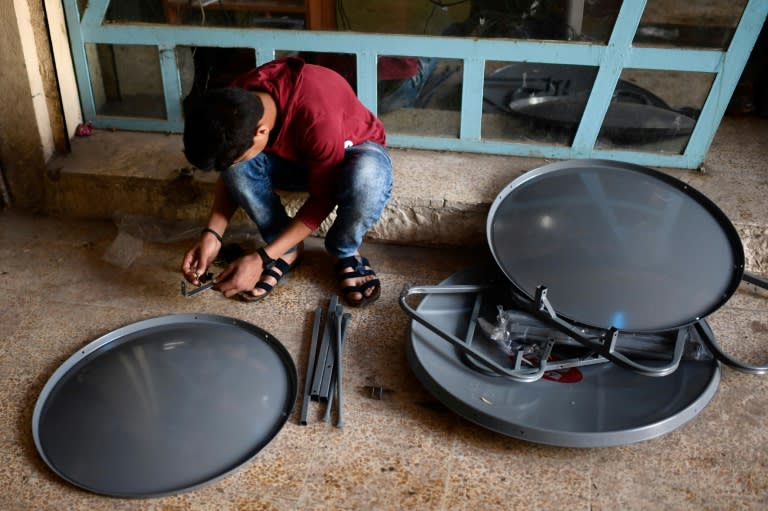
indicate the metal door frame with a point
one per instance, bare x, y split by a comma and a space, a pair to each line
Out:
610, 59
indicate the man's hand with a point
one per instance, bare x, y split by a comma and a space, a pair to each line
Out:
241, 275
199, 258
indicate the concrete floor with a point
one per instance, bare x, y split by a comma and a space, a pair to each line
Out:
405, 451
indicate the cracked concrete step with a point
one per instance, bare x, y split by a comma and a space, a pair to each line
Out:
439, 198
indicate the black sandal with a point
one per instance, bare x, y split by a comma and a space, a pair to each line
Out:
281, 265
360, 268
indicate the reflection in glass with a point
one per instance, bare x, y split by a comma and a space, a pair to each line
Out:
517, 19
544, 103
541, 19
141, 11
218, 67
236, 13
695, 23
402, 82
426, 100
431, 17
530, 102
654, 110
522, 101
271, 14
126, 80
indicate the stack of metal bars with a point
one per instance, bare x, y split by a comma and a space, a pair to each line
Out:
325, 368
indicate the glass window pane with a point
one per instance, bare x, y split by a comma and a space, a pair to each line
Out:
217, 67
126, 80
517, 19
534, 103
400, 16
287, 14
236, 13
591, 20
695, 23
402, 81
428, 103
654, 111
202, 67
142, 11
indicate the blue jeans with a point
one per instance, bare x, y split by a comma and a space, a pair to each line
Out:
363, 188
407, 92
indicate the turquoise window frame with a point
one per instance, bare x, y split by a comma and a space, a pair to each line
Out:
610, 59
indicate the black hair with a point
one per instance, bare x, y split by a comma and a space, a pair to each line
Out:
219, 125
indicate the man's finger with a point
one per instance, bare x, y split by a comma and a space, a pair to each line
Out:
223, 275
190, 276
230, 293
228, 288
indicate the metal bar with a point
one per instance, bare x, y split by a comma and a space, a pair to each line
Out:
449, 144
708, 336
546, 312
171, 84
472, 99
328, 408
522, 376
339, 367
586, 54
310, 366
264, 55
320, 366
470, 336
335, 385
324, 365
672, 59
608, 73
138, 124
539, 150
80, 59
367, 62
95, 11
208, 284
326, 382
335, 378
754, 279
196, 290
605, 351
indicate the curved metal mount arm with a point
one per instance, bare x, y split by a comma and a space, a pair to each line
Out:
706, 334
607, 348
754, 279
519, 373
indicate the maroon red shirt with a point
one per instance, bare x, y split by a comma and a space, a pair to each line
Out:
318, 116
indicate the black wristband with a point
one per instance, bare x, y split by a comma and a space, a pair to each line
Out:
218, 236
267, 261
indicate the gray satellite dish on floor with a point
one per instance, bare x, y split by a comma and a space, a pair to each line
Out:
614, 267
164, 405
616, 245
598, 405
